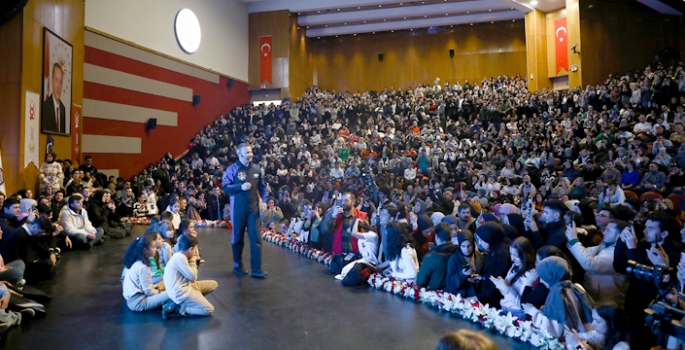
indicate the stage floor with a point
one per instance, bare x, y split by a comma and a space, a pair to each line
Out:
298, 306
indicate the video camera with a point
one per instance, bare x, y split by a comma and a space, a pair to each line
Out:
662, 318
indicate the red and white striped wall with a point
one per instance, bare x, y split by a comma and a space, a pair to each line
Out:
124, 86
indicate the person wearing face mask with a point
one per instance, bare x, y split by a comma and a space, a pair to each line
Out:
654, 249
490, 240
602, 282
567, 305
464, 267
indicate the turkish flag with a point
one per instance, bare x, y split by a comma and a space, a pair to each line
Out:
265, 59
561, 40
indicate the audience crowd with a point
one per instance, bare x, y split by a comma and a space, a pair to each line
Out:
535, 203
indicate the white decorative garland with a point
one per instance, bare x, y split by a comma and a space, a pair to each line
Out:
198, 223
474, 311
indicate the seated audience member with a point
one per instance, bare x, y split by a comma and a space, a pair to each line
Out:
357, 272
12, 272
40, 261
611, 196
272, 214
125, 203
654, 249
100, 208
465, 339
522, 274
138, 289
464, 266
174, 209
187, 294
76, 224
9, 223
490, 240
141, 208
58, 240
401, 263
601, 282
610, 330
56, 204
567, 305
215, 204
10, 318
433, 270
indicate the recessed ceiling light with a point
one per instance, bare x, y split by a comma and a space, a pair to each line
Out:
318, 11
318, 37
326, 25
467, 12
374, 33
364, 21
359, 8
299, 13
338, 9
307, 27
384, 19
405, 17
471, 23
345, 23
447, 14
355, 34
425, 16
452, 26
392, 31
336, 36
403, 4
513, 20
412, 29
490, 10
533, 2
492, 22
380, 5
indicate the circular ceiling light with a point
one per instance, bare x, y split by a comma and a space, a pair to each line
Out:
187, 28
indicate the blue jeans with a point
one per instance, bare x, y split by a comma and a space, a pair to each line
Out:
85, 243
14, 275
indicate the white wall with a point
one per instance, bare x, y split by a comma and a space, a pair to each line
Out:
150, 23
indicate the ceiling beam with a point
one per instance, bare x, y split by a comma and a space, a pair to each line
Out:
309, 5
398, 13
413, 24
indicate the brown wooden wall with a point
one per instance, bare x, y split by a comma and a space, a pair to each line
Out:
619, 36
483, 50
276, 24
10, 108
301, 61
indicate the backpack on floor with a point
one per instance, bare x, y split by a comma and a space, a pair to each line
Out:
116, 232
18, 303
31, 293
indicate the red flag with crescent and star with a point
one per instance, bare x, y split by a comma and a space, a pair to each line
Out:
265, 59
560, 38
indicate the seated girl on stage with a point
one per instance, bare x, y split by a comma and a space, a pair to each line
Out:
138, 290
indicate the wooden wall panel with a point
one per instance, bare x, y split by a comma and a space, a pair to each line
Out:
10, 108
628, 39
66, 18
483, 50
301, 62
276, 24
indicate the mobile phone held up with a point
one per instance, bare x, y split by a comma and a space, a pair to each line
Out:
338, 200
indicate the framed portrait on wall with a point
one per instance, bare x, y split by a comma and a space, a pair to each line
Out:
58, 63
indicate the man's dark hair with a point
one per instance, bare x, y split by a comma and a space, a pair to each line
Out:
43, 208
463, 207
392, 209
89, 157
186, 242
620, 224
43, 224
444, 232
9, 202
665, 221
612, 212
385, 190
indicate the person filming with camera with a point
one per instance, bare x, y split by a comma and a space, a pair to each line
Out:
653, 250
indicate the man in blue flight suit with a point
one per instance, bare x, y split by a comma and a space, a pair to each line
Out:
244, 181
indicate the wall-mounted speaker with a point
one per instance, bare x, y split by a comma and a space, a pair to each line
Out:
451, 52
380, 57
196, 100
230, 82
151, 124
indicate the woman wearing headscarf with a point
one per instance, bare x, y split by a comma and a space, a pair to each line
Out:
567, 304
516, 220
464, 266
490, 239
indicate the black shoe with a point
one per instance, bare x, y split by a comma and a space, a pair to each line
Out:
27, 313
258, 274
170, 309
239, 271
4, 327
